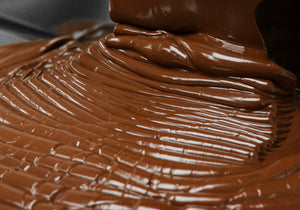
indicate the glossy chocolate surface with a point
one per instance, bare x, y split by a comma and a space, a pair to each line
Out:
186, 16
149, 118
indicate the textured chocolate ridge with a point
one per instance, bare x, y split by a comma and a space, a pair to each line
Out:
112, 125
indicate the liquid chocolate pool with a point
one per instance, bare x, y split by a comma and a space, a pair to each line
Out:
163, 113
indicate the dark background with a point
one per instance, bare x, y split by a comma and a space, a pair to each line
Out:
279, 23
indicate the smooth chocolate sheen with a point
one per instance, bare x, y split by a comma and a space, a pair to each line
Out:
155, 115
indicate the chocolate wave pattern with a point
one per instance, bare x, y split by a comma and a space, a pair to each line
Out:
103, 126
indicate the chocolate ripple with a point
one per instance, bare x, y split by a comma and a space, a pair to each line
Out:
137, 120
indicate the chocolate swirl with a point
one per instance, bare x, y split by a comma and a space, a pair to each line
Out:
147, 119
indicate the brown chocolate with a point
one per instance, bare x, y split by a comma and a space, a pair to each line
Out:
150, 118
231, 20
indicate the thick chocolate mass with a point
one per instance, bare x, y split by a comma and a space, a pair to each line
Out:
215, 17
149, 119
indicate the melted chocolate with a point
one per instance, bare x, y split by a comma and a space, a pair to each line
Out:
150, 119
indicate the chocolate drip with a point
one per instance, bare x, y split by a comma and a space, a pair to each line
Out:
149, 118
228, 20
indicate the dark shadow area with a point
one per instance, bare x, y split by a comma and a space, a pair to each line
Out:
279, 23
